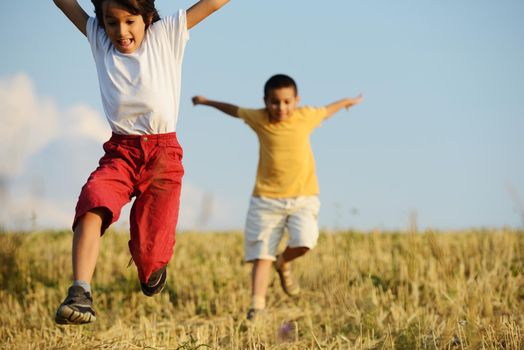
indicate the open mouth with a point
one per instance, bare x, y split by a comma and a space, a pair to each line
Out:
125, 44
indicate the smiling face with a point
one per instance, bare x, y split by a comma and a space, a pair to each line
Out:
280, 103
125, 29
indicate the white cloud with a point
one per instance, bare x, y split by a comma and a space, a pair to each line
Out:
83, 121
31, 125
28, 123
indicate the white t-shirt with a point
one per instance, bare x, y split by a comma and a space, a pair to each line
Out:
141, 91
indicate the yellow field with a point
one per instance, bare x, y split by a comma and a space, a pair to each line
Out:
462, 290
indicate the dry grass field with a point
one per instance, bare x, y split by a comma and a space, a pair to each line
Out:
376, 290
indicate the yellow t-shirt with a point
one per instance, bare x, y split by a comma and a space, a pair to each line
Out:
286, 167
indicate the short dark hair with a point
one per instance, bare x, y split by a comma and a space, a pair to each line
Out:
278, 81
145, 8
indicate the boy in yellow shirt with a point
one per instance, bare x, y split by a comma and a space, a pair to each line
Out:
286, 187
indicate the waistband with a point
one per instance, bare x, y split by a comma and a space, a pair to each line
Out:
167, 138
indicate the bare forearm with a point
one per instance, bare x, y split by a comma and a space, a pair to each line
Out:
63, 3
202, 9
224, 107
336, 106
74, 12
214, 4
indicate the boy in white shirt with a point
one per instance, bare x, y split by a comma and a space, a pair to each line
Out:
138, 59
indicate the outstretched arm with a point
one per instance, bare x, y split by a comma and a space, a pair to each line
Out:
227, 108
74, 12
334, 107
199, 11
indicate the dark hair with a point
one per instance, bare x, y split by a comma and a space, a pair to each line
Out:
278, 81
145, 8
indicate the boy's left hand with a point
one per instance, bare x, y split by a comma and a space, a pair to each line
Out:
354, 101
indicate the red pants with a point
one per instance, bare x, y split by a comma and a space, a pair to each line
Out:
148, 167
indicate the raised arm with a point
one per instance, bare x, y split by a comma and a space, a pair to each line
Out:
334, 107
199, 11
74, 12
227, 108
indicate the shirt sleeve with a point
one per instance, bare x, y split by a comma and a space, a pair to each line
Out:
250, 116
177, 33
91, 31
315, 116
97, 37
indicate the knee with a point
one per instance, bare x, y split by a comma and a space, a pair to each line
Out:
298, 251
302, 250
94, 218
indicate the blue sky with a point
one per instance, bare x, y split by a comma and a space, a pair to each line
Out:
440, 132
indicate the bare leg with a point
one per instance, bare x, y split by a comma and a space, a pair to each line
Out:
86, 244
287, 281
259, 282
291, 254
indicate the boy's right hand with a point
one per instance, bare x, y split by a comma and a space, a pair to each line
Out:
225, 107
197, 100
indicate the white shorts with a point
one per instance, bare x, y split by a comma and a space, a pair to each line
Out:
267, 218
